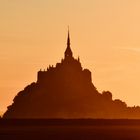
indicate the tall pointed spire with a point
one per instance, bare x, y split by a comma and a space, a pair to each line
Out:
68, 52
68, 39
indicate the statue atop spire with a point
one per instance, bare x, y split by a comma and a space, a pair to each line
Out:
68, 52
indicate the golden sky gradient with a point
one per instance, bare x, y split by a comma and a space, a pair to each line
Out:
104, 33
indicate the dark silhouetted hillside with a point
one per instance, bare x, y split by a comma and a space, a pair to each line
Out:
66, 91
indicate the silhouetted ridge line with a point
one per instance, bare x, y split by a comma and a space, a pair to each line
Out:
66, 91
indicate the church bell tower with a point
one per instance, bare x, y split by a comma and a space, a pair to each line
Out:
68, 52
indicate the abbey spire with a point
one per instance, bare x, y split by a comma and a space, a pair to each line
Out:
68, 52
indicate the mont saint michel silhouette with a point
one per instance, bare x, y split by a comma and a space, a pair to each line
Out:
66, 91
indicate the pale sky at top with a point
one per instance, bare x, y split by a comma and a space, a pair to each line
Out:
104, 33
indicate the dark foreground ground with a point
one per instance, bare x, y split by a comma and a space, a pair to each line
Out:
70, 129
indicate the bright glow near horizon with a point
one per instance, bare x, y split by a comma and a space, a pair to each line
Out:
104, 33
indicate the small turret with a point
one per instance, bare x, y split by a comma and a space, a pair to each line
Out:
78, 59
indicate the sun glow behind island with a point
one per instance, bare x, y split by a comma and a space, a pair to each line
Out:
105, 34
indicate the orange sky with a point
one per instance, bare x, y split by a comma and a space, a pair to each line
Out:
104, 33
